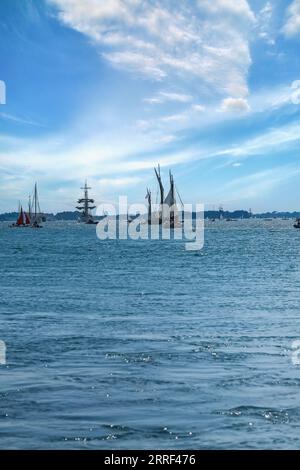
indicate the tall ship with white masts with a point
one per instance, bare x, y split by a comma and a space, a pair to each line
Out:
86, 206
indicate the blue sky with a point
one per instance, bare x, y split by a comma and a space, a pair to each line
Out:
105, 90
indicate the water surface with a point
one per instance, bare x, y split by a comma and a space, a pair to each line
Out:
140, 344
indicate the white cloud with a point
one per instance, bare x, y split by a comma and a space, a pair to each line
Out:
19, 120
273, 139
235, 105
238, 8
171, 122
259, 183
198, 108
204, 42
174, 117
118, 182
136, 61
264, 24
164, 96
292, 25
166, 139
55, 160
237, 164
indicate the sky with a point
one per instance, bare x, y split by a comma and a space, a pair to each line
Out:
106, 90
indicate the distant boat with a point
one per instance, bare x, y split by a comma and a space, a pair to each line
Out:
35, 210
86, 207
23, 219
131, 218
170, 219
33, 217
297, 223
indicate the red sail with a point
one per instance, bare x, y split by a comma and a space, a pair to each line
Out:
20, 220
27, 219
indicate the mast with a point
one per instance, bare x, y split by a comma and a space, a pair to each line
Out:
221, 212
172, 202
86, 206
35, 208
28, 213
35, 202
148, 197
29, 206
161, 188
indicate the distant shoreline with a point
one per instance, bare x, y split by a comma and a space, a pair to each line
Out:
238, 214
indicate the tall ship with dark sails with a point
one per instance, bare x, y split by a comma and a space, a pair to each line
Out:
167, 214
86, 206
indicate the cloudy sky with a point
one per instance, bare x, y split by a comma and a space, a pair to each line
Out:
106, 89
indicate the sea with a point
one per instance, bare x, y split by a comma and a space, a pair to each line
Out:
140, 344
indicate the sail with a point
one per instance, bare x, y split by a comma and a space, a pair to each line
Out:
27, 219
170, 199
161, 188
20, 220
171, 218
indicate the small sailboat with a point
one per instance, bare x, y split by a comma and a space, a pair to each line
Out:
35, 210
23, 219
33, 216
297, 223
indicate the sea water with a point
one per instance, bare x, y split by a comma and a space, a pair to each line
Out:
141, 344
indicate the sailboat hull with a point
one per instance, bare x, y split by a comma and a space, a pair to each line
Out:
91, 222
36, 225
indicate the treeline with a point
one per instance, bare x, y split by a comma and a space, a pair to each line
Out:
247, 215
239, 214
66, 215
227, 214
